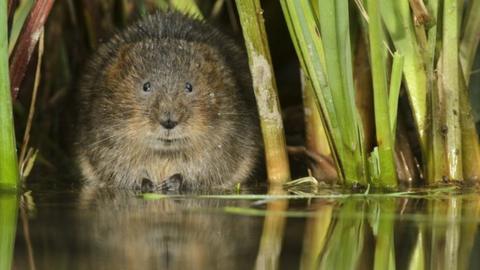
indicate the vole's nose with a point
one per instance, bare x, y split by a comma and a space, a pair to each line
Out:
168, 123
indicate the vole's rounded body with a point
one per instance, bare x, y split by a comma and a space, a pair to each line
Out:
169, 96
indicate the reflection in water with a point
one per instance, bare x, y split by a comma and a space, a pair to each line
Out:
272, 234
118, 230
8, 223
393, 234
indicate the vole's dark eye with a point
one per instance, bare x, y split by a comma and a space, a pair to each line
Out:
147, 87
188, 87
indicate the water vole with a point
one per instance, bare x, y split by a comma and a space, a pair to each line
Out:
167, 102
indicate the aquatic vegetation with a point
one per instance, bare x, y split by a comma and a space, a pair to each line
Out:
426, 48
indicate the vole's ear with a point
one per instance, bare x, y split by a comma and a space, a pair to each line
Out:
207, 59
121, 61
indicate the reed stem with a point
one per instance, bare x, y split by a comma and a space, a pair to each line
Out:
387, 173
8, 154
449, 77
264, 85
436, 157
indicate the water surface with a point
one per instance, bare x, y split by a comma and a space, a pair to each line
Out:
105, 229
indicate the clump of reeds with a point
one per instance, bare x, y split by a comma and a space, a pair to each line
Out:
411, 47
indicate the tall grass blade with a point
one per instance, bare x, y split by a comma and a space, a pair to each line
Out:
265, 89
387, 176
8, 156
398, 21
394, 92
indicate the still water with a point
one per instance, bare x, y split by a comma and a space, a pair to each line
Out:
105, 229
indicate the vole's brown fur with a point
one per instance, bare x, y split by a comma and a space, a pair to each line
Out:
168, 96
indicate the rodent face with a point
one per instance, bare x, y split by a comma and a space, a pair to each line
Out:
168, 95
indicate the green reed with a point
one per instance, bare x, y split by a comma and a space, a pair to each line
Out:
8, 153
411, 47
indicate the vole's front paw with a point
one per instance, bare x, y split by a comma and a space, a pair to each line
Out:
172, 183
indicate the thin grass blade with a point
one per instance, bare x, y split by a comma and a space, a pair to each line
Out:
31, 112
393, 93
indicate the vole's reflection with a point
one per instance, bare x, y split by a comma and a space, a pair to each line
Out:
126, 232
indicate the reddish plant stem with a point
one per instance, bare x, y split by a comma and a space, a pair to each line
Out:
26, 43
12, 5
